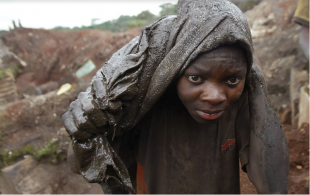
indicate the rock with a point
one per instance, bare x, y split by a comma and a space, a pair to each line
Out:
284, 11
263, 32
303, 106
8, 91
12, 175
298, 78
46, 87
9, 59
277, 76
286, 116
36, 120
30, 177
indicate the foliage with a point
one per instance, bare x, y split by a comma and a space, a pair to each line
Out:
307, 90
124, 23
61, 28
49, 150
168, 9
12, 70
8, 157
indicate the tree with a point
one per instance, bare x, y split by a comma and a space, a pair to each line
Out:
168, 9
146, 15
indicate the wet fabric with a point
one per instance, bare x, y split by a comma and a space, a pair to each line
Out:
127, 87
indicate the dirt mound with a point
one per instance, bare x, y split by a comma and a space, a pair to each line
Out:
54, 55
298, 143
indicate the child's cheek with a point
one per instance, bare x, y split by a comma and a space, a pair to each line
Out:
239, 95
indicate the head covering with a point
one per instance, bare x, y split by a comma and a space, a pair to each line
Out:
136, 76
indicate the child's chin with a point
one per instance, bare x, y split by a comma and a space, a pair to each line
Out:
205, 121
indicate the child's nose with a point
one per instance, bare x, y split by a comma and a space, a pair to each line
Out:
213, 94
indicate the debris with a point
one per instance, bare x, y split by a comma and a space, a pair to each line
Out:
87, 68
64, 88
303, 107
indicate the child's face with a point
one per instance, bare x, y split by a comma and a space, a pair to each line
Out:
212, 83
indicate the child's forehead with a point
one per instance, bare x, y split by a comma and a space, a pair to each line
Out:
222, 52
224, 56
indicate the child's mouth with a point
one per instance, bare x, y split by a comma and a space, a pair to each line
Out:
210, 115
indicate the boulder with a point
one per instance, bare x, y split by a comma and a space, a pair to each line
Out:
30, 177
298, 78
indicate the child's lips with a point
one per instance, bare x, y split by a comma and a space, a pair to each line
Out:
210, 115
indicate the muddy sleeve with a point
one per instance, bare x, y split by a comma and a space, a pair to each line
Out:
243, 131
99, 109
92, 120
268, 166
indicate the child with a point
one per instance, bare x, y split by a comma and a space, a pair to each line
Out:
174, 110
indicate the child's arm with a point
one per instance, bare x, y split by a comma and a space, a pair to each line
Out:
243, 130
268, 153
243, 126
110, 106
94, 116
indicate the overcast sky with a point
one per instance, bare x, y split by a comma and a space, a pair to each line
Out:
69, 13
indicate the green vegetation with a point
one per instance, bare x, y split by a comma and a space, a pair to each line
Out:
48, 151
307, 90
124, 23
12, 70
168, 9
8, 157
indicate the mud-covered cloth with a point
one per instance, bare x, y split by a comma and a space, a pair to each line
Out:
128, 86
301, 15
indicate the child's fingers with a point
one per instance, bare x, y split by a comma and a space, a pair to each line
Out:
81, 120
72, 129
100, 92
92, 110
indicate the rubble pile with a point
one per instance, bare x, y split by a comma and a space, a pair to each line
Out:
9, 66
54, 56
32, 119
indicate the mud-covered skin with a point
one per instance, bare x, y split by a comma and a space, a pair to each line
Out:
136, 76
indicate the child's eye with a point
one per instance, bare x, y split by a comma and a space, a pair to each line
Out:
194, 79
233, 81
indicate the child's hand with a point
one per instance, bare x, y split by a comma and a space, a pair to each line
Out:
84, 119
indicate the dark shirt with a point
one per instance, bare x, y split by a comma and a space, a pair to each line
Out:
178, 155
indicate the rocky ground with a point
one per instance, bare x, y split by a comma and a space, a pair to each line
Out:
33, 140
